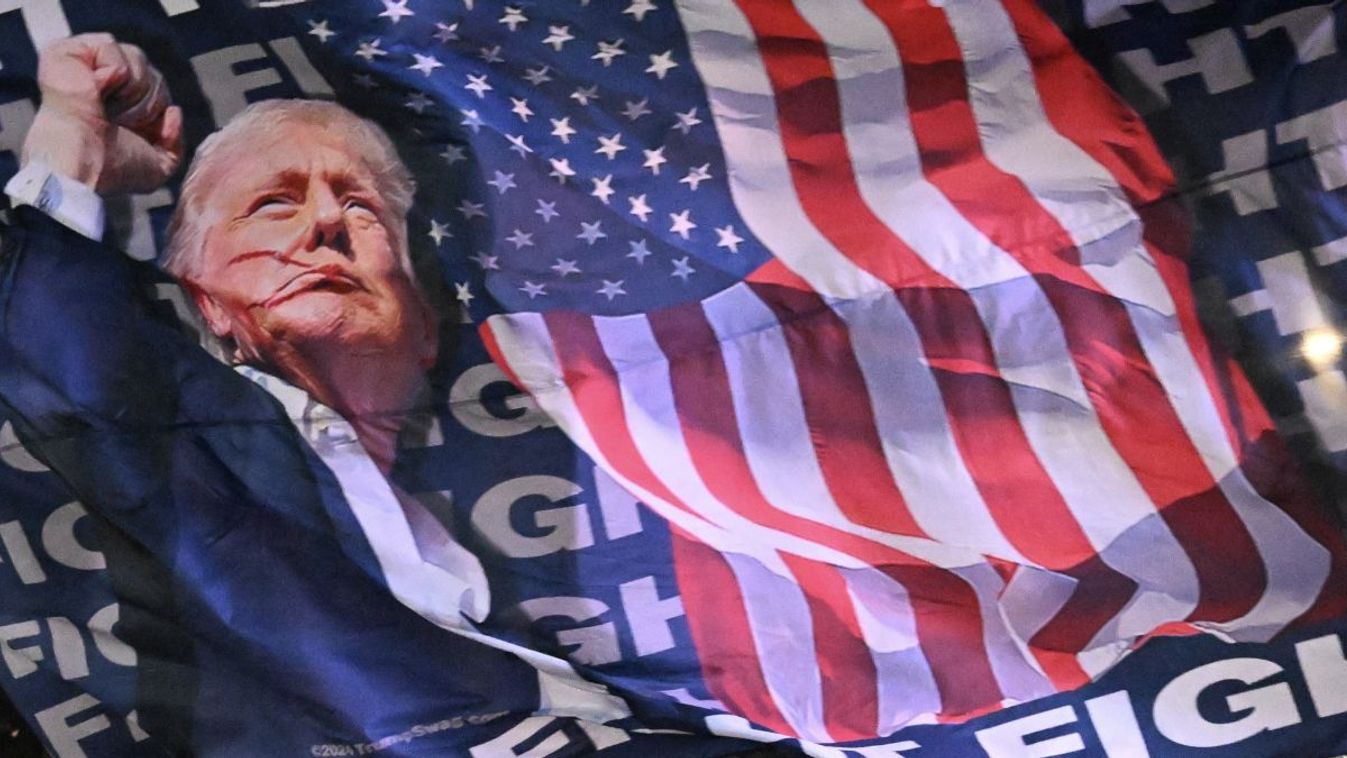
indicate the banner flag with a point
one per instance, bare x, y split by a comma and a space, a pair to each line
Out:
673, 377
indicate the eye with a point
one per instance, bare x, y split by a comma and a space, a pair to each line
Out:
271, 204
358, 203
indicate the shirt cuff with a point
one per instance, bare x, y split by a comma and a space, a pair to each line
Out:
73, 204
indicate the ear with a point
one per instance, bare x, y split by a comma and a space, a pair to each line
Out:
217, 319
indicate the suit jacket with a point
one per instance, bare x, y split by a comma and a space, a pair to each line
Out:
258, 611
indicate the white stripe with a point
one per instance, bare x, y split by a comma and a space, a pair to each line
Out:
779, 619
1017, 672
1058, 418
1297, 565
1033, 597
906, 688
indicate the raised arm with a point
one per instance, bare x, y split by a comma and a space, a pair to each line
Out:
107, 119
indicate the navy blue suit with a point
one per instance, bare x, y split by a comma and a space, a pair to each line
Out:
247, 588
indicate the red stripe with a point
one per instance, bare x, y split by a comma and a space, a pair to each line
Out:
1018, 491
720, 630
1132, 406
849, 678
948, 617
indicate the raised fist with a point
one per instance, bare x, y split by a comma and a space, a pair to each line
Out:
106, 118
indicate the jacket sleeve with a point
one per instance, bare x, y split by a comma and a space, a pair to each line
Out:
82, 359
106, 387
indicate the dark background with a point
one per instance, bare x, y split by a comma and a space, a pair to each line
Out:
15, 739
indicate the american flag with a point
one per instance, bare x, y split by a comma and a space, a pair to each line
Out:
882, 305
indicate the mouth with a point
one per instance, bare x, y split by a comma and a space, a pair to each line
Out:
327, 278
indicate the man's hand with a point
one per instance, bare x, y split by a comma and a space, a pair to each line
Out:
106, 118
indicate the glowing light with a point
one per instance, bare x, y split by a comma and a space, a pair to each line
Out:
1321, 347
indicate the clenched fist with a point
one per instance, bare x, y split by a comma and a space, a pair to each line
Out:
106, 118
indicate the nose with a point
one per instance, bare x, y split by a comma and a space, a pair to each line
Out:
327, 221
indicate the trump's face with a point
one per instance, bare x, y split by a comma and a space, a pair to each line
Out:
299, 253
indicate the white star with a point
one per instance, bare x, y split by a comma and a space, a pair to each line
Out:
728, 238
611, 290
686, 121
583, 95
562, 128
491, 54
521, 108
561, 169
469, 209
394, 10
370, 50
682, 223
446, 32
319, 29
533, 290
547, 210
654, 159
564, 267
639, 251
462, 294
468, 3
682, 269
486, 261
425, 63
472, 120
603, 188
537, 76
639, 208
636, 108
478, 85
364, 80
418, 102
607, 52
518, 145
611, 146
559, 35
696, 176
639, 8
513, 18
590, 232
453, 154
660, 64
438, 231
520, 239
503, 182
